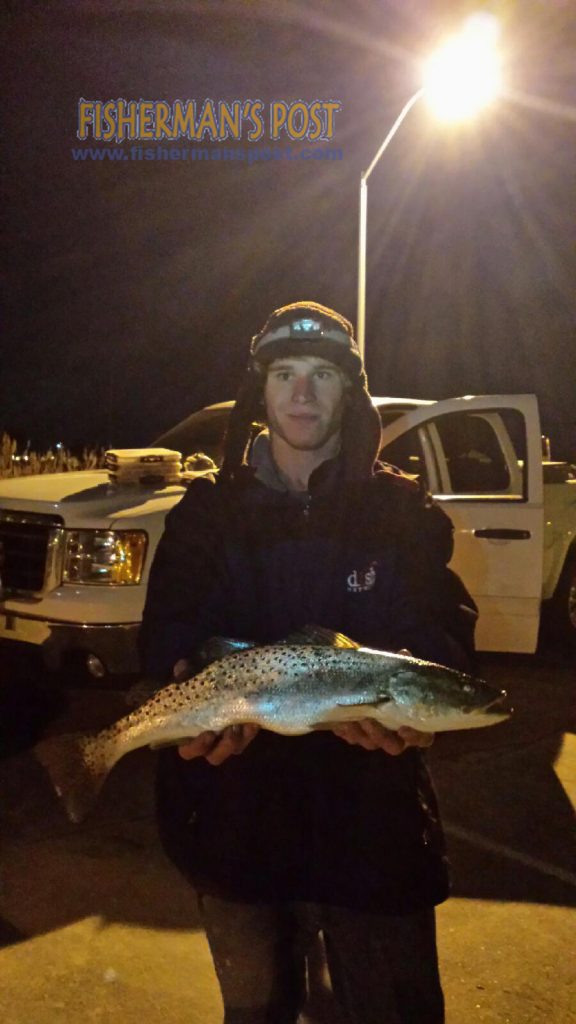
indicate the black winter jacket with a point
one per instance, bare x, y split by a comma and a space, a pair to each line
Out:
310, 817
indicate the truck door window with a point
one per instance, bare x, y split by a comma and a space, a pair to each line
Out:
484, 452
407, 453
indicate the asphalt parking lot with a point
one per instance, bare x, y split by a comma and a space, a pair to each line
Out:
95, 925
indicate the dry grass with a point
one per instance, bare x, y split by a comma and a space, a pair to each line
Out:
55, 460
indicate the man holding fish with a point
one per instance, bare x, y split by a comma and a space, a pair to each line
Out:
336, 830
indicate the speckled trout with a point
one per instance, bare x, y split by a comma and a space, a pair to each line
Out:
312, 681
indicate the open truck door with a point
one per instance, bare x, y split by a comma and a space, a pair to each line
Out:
481, 459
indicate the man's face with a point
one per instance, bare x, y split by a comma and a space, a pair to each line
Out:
305, 399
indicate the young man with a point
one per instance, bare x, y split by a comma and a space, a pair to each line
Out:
336, 831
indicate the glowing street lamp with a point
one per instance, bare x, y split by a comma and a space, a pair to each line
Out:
460, 78
463, 75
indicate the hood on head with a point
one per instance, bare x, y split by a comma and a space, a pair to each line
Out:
307, 328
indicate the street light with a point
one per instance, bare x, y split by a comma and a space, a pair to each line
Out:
459, 79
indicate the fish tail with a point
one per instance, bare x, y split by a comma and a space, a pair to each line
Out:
78, 766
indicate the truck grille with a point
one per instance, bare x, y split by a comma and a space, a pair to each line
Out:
27, 548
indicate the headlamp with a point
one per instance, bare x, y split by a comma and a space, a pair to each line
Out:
302, 330
307, 328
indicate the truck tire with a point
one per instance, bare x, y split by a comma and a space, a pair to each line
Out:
563, 604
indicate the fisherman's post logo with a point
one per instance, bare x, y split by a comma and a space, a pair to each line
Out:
209, 120
242, 131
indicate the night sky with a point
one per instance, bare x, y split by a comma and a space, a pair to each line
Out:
132, 288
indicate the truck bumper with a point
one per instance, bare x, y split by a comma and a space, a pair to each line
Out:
114, 645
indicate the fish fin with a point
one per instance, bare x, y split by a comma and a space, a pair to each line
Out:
320, 636
361, 705
218, 647
165, 745
77, 775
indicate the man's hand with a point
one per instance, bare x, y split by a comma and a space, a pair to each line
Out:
217, 747
372, 736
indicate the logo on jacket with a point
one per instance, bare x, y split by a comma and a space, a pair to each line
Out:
362, 579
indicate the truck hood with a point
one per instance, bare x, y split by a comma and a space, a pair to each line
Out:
54, 487
84, 498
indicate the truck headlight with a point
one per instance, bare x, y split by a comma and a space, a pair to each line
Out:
104, 556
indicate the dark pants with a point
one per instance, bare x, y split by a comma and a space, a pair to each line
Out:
384, 970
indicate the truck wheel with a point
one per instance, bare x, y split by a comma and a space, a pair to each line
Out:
564, 604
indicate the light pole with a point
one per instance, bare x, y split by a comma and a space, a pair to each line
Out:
362, 233
459, 79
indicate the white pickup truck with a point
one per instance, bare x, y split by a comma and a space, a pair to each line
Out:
76, 548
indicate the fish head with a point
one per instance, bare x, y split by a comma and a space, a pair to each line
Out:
435, 698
